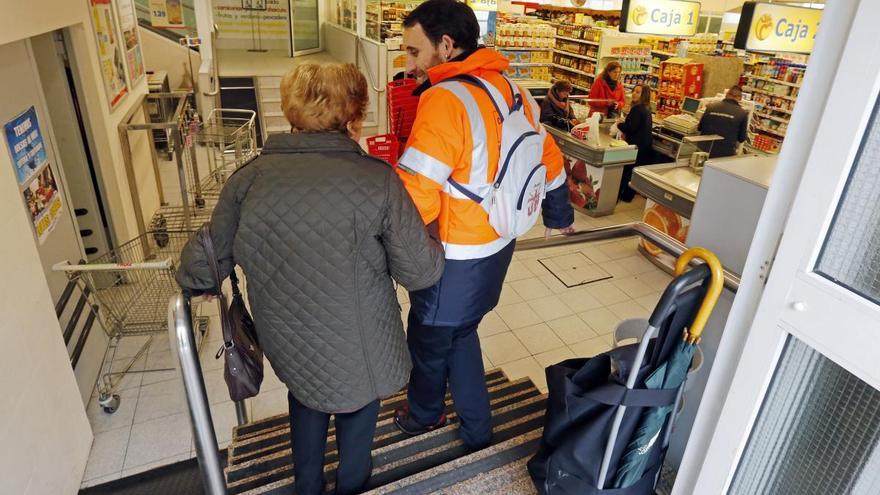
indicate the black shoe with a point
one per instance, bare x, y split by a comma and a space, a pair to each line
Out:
410, 426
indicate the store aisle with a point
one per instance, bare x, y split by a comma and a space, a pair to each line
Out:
538, 322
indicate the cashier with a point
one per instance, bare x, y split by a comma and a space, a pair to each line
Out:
609, 88
556, 109
727, 119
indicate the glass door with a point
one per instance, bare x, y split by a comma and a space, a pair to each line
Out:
803, 412
306, 26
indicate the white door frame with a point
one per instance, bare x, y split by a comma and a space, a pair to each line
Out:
844, 116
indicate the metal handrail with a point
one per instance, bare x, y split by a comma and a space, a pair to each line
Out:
641, 229
182, 337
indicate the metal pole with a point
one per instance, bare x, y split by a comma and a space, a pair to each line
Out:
181, 175
618, 416
241, 412
180, 333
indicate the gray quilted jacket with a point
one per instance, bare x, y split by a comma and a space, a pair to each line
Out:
320, 229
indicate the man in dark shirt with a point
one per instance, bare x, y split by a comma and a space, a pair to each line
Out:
727, 119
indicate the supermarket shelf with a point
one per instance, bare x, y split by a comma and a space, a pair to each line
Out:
521, 49
752, 149
756, 90
772, 117
774, 81
575, 55
665, 54
546, 64
573, 85
648, 64
576, 40
769, 131
637, 73
775, 109
574, 71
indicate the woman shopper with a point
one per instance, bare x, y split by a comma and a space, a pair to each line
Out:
320, 229
637, 129
608, 86
556, 109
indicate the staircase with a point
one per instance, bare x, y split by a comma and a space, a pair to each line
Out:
260, 459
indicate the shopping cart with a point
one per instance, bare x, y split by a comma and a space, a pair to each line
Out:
132, 285
230, 138
609, 417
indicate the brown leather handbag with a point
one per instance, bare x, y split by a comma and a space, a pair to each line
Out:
244, 357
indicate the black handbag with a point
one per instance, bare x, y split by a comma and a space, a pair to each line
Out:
244, 357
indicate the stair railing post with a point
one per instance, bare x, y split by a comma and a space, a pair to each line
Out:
180, 333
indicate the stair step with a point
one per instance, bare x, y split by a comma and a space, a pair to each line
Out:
411, 455
265, 453
261, 426
500, 469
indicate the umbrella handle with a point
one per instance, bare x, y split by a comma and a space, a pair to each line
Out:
715, 285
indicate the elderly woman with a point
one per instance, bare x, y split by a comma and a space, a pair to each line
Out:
322, 231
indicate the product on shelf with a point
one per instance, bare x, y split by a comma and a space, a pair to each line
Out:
703, 43
679, 78
522, 32
766, 143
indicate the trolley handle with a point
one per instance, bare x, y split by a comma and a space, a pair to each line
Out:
65, 266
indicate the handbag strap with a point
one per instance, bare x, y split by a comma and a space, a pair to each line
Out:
214, 265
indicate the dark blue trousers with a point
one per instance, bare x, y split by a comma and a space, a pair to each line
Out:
354, 440
441, 354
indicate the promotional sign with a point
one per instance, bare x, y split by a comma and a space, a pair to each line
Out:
109, 51
775, 27
131, 37
26, 146
36, 180
166, 13
484, 5
237, 22
662, 17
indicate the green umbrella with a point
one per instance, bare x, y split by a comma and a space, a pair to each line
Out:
668, 375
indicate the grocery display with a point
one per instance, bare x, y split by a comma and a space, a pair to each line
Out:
576, 55
774, 84
679, 78
385, 19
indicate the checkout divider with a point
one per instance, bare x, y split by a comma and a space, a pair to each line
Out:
182, 338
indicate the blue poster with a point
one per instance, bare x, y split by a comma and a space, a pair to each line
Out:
26, 146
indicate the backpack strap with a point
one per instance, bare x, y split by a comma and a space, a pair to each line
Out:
497, 98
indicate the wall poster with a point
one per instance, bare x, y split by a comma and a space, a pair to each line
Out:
36, 180
110, 51
237, 19
131, 37
166, 13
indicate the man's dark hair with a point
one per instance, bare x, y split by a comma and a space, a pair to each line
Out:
735, 89
446, 17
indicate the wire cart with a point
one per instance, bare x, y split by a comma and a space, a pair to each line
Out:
230, 138
133, 284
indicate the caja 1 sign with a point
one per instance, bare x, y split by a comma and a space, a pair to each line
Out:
777, 28
663, 17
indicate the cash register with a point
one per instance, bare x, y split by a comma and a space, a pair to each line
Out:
678, 136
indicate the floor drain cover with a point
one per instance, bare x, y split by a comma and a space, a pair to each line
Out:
574, 269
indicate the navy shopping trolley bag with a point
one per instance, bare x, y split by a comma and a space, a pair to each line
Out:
606, 429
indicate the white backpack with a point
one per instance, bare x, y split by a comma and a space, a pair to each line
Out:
513, 200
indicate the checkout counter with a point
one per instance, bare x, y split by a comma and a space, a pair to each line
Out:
594, 170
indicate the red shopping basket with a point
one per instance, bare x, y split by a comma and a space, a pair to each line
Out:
402, 106
384, 146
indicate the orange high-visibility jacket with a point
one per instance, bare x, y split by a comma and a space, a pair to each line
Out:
447, 141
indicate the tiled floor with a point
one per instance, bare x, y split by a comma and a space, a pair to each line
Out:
539, 321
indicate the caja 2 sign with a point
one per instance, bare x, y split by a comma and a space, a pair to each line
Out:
777, 28
662, 17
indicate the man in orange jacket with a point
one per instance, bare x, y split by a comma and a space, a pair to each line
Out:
455, 143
